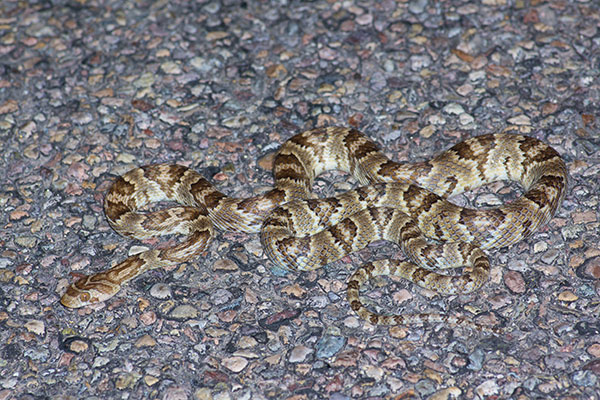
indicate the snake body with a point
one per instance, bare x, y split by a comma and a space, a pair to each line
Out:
403, 203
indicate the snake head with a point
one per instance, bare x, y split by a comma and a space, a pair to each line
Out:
87, 291
75, 298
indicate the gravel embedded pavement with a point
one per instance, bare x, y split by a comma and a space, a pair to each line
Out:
90, 89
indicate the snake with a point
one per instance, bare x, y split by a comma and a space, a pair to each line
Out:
405, 203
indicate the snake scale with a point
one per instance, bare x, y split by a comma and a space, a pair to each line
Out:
399, 202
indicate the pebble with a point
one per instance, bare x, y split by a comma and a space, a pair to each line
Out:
37, 354
274, 321
557, 361
352, 322
183, 312
364, 19
216, 35
318, 302
540, 247
488, 388
330, 345
593, 366
520, 120
127, 380
294, 290
225, 264
425, 387
204, 66
221, 296
160, 291
427, 131
338, 396
226, 396
465, 90
26, 241
145, 80
9, 106
585, 378
476, 359
170, 67
151, 380
419, 62
78, 346
35, 326
145, 341
567, 296
417, 6
234, 364
447, 394
591, 267
437, 119
247, 342
454, 109
466, 119
213, 7
514, 281
100, 362
299, 354
572, 231
236, 122
550, 256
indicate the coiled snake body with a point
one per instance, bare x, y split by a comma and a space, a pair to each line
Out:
404, 203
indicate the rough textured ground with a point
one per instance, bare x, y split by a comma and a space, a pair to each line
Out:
89, 89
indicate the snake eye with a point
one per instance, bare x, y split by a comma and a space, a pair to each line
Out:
84, 297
